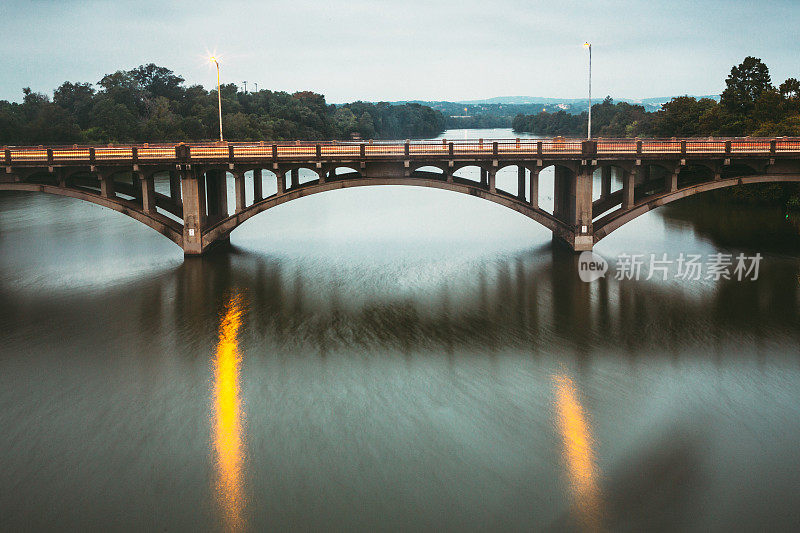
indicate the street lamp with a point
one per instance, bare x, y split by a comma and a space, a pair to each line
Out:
219, 97
589, 129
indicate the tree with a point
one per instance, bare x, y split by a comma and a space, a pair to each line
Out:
681, 116
790, 89
745, 84
158, 81
76, 98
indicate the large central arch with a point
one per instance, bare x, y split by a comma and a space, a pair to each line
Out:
223, 228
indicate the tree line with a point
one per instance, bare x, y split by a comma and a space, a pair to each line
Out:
750, 105
152, 103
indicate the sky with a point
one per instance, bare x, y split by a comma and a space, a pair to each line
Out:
409, 50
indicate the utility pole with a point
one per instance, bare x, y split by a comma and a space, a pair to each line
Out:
219, 96
589, 129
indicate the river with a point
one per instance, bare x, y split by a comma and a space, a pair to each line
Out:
395, 358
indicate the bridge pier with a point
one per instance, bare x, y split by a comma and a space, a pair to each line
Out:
148, 193
605, 182
238, 178
534, 188
628, 184
281, 185
107, 189
521, 182
175, 187
573, 207
194, 211
258, 192
217, 194
671, 184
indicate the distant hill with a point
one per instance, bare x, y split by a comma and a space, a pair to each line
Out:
521, 100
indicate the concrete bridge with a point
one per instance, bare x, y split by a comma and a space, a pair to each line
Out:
194, 212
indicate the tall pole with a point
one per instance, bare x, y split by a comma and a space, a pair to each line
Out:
219, 99
589, 129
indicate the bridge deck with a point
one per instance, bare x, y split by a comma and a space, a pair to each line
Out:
392, 150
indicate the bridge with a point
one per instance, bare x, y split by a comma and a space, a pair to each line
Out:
194, 212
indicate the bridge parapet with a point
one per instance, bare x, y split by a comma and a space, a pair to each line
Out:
557, 148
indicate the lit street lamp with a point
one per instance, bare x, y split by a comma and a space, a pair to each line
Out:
589, 129
219, 97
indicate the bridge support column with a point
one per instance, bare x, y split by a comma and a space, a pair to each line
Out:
107, 189
573, 207
534, 188
238, 178
605, 182
258, 191
581, 192
484, 177
561, 192
194, 211
281, 185
521, 182
672, 181
148, 193
492, 178
448, 174
175, 187
628, 181
217, 194
321, 174
294, 177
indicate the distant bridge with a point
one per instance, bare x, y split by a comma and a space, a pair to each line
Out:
194, 212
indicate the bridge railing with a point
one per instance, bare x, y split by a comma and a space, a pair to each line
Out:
164, 152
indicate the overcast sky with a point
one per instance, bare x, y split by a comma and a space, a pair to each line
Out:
429, 50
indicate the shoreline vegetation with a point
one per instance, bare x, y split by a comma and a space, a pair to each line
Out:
151, 103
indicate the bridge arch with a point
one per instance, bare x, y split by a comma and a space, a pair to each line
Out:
222, 229
163, 225
616, 219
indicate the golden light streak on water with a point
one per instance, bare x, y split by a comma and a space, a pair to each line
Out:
228, 435
578, 454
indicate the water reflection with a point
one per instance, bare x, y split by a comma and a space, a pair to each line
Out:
578, 454
228, 432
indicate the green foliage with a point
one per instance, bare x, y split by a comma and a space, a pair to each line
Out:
558, 123
151, 103
745, 84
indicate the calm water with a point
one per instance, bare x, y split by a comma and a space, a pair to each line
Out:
392, 358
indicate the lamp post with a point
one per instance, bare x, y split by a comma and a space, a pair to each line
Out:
219, 97
589, 129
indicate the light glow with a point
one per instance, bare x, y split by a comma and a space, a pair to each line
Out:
577, 453
228, 436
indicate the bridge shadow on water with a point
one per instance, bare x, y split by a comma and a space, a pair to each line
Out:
532, 301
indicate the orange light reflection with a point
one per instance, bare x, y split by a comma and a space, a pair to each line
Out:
228, 436
578, 455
